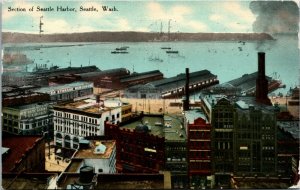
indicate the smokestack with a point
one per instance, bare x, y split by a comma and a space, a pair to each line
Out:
186, 103
97, 98
262, 82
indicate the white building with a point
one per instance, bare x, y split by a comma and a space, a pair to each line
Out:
27, 119
76, 120
101, 155
71, 91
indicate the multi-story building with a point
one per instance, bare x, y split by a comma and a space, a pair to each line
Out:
27, 119
76, 120
23, 154
243, 138
199, 149
140, 145
176, 151
65, 92
99, 154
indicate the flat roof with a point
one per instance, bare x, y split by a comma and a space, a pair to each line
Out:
192, 115
150, 121
174, 129
60, 87
86, 105
89, 153
169, 126
119, 181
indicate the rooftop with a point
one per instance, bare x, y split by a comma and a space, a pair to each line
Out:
154, 123
179, 80
168, 126
243, 103
18, 146
174, 129
105, 72
192, 115
136, 76
119, 181
87, 105
92, 153
27, 181
69, 86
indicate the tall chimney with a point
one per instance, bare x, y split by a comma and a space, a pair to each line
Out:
262, 82
186, 103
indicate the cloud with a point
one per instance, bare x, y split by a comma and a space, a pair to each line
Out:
177, 12
197, 26
123, 25
241, 13
216, 17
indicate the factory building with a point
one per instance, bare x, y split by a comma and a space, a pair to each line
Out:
172, 87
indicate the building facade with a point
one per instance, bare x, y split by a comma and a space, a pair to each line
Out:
23, 154
72, 91
244, 141
76, 120
101, 155
199, 153
27, 119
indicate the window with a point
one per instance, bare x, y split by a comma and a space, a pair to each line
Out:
27, 127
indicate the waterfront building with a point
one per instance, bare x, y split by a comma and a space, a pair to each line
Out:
172, 87
23, 154
28, 119
76, 120
21, 95
66, 92
141, 78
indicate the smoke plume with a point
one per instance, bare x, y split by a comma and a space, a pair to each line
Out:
275, 16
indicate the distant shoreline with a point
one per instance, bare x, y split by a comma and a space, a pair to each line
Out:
9, 37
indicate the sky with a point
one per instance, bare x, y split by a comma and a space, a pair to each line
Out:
144, 16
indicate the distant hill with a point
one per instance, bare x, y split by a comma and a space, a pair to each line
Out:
8, 37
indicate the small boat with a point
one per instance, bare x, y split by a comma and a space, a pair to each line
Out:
156, 59
165, 48
171, 51
121, 49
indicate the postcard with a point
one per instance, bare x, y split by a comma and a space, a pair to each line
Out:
150, 94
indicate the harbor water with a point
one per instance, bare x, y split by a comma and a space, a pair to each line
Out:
226, 59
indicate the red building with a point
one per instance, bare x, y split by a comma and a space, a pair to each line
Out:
23, 154
137, 150
199, 152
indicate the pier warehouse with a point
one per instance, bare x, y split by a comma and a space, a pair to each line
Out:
172, 87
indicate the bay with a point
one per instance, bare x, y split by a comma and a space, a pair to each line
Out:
226, 59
